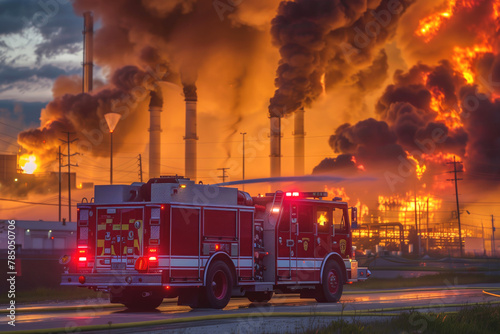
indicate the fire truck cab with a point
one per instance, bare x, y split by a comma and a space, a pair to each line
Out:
170, 238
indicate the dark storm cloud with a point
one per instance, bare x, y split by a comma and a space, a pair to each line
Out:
62, 33
55, 20
15, 15
10, 75
30, 110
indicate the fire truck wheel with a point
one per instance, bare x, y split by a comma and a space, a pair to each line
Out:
219, 285
259, 296
140, 301
331, 289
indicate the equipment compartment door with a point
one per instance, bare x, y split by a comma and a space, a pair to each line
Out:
132, 235
185, 241
118, 239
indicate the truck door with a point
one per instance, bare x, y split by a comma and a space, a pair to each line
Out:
340, 240
323, 231
305, 242
286, 246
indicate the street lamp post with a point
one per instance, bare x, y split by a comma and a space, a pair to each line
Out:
111, 119
243, 133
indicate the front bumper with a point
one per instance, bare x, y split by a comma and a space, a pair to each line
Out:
112, 279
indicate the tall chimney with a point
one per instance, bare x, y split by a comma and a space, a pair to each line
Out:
88, 49
155, 109
191, 137
275, 145
298, 142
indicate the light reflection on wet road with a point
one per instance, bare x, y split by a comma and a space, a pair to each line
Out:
360, 301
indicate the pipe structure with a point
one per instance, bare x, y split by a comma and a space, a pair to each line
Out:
191, 135
275, 145
155, 109
88, 50
298, 142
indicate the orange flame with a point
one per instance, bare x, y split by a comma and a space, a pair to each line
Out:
323, 85
429, 26
419, 169
27, 163
404, 206
450, 117
340, 192
463, 58
358, 166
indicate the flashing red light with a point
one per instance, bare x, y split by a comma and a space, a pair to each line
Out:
292, 194
163, 207
295, 193
276, 210
52, 238
288, 193
82, 259
153, 258
217, 247
167, 287
81, 279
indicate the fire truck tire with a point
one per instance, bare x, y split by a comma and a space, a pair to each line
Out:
259, 296
331, 289
219, 285
139, 301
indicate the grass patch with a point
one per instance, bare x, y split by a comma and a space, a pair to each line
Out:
480, 319
448, 279
52, 295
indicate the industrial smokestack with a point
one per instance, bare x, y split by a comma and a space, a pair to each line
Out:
275, 146
191, 137
298, 142
88, 61
155, 109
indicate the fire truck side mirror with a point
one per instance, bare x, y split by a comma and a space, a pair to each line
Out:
354, 217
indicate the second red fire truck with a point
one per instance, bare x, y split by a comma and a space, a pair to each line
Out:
202, 243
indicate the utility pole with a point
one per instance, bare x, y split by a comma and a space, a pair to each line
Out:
60, 188
493, 250
243, 133
139, 158
454, 171
69, 155
223, 177
427, 240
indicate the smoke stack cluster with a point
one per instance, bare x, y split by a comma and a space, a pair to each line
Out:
155, 109
88, 50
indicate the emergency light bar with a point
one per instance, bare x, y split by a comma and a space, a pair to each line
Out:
305, 194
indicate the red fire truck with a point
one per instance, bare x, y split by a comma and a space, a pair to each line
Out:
203, 244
